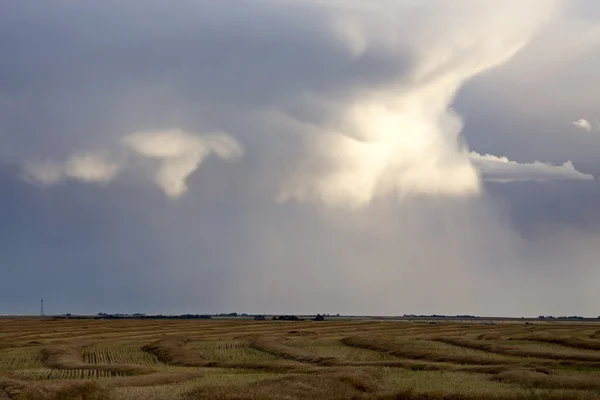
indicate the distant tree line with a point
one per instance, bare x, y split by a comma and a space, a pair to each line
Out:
440, 316
133, 316
143, 316
318, 317
258, 317
233, 314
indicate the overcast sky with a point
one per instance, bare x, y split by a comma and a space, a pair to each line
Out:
300, 156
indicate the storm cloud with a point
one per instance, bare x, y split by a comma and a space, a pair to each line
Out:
287, 156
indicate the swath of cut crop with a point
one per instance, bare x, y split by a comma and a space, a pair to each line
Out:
65, 374
62, 357
418, 350
20, 358
574, 342
228, 351
273, 346
367, 385
334, 348
410, 394
125, 354
538, 380
173, 352
516, 351
279, 349
457, 385
164, 377
568, 353
330, 386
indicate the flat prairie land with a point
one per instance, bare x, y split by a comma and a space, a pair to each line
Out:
309, 360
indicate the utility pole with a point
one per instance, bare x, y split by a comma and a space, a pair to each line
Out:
42, 308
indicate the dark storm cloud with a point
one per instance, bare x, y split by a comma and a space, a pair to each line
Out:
75, 73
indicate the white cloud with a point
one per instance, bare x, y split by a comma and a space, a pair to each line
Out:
501, 169
402, 137
180, 153
84, 167
583, 124
405, 138
90, 167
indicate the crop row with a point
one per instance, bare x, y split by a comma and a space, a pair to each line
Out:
129, 354
20, 358
51, 373
336, 349
233, 351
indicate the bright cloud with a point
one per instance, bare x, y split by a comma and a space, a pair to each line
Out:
406, 138
180, 153
84, 167
583, 124
501, 169
89, 167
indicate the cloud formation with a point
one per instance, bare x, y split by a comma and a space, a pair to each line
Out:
583, 124
348, 105
84, 167
501, 169
400, 135
89, 167
180, 153
405, 138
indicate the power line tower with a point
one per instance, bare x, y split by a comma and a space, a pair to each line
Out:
42, 308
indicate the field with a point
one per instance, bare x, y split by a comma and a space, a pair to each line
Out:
240, 359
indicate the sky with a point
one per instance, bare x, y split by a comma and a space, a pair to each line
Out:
381, 157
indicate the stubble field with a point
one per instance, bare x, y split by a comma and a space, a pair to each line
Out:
235, 359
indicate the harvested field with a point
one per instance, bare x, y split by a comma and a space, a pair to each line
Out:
351, 359
232, 351
20, 358
119, 354
57, 373
335, 348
